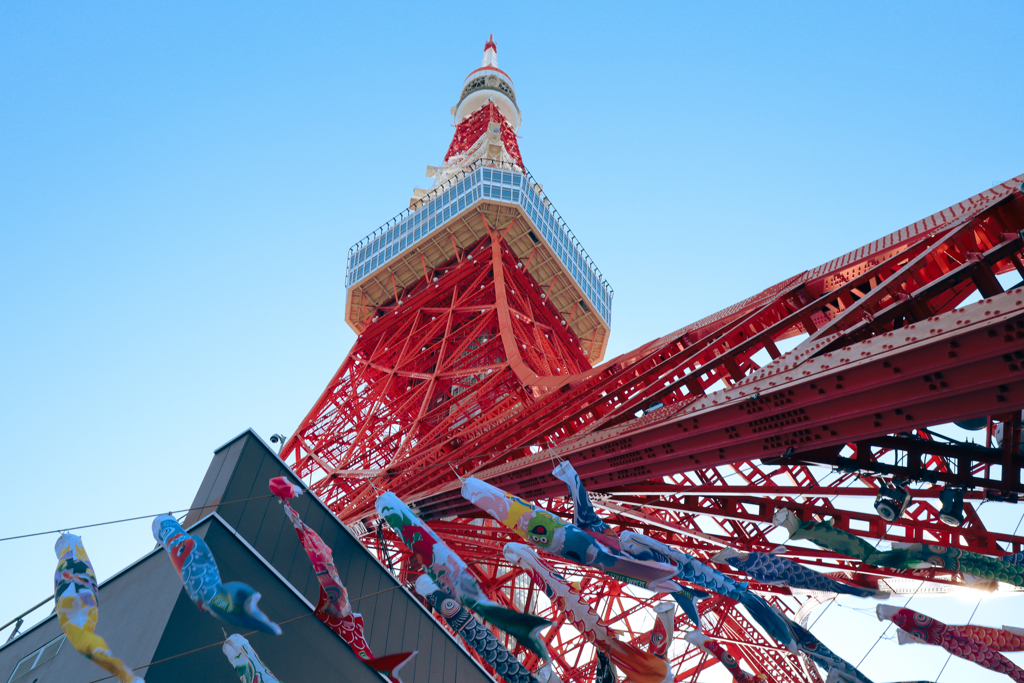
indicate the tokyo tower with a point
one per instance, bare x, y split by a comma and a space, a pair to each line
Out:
483, 327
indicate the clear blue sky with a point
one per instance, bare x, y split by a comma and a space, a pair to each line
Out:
180, 183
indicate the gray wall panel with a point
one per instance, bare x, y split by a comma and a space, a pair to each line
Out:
305, 651
215, 482
395, 621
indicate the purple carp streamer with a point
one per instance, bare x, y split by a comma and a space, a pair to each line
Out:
637, 665
453, 576
76, 598
924, 629
246, 662
544, 530
692, 570
636, 546
586, 518
233, 602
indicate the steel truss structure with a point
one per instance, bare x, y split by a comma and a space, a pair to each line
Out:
699, 437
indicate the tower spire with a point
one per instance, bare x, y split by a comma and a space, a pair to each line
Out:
490, 52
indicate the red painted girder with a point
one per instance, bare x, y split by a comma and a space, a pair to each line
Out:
367, 426
946, 368
761, 510
660, 489
951, 247
925, 237
829, 275
650, 381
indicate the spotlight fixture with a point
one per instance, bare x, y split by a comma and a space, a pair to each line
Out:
892, 501
952, 512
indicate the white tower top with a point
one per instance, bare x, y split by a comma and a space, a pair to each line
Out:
489, 83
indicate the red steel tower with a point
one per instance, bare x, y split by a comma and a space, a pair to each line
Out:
482, 326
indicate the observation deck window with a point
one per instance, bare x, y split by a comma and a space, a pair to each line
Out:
485, 181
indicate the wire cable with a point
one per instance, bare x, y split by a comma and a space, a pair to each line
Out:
886, 629
950, 656
134, 519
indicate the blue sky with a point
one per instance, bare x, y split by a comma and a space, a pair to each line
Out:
180, 183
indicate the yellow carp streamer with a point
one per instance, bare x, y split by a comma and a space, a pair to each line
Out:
75, 593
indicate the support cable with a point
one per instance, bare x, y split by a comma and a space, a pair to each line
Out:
134, 519
950, 656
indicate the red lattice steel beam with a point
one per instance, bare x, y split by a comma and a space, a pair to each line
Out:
470, 371
677, 372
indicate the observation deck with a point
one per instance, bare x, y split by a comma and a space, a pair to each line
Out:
455, 215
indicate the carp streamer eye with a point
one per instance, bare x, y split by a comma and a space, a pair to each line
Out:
540, 530
449, 608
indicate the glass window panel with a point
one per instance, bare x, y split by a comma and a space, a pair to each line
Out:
506, 178
515, 179
24, 666
506, 194
50, 650
487, 174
